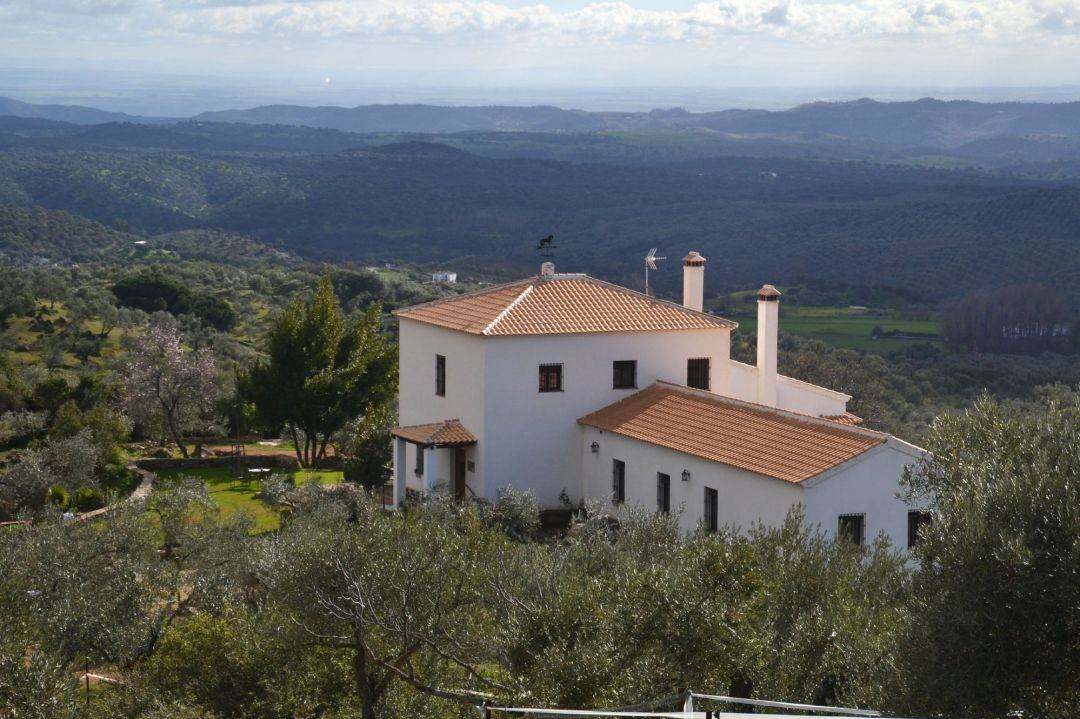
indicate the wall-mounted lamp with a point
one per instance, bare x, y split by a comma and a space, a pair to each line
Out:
686, 475
595, 447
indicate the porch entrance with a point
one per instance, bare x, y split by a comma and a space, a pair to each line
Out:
459, 473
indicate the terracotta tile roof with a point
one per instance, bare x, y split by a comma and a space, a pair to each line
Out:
559, 304
449, 433
758, 439
845, 418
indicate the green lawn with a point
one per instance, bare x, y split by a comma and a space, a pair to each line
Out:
848, 329
237, 495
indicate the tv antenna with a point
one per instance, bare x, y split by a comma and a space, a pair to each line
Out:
650, 264
546, 247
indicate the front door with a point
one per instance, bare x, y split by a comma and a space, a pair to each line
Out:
459, 473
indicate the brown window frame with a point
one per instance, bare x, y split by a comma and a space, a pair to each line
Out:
692, 376
545, 385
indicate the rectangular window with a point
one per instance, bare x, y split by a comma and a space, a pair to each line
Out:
624, 374
440, 375
618, 481
851, 527
916, 520
697, 373
712, 506
663, 492
419, 460
551, 378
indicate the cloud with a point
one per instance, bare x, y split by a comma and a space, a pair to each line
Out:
624, 21
616, 21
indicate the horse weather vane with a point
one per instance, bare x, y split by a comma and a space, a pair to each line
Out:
546, 247
650, 264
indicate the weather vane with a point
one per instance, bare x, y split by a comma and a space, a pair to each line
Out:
547, 247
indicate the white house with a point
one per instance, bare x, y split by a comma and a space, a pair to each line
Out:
446, 277
577, 388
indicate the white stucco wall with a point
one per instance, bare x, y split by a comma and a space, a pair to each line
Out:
464, 400
532, 437
791, 394
744, 498
867, 485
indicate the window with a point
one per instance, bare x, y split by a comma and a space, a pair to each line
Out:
624, 374
916, 520
697, 373
419, 460
440, 375
712, 505
851, 527
551, 378
618, 481
663, 492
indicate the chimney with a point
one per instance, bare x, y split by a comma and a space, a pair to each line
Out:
547, 269
768, 318
693, 281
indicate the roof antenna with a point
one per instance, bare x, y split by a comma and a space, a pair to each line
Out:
650, 264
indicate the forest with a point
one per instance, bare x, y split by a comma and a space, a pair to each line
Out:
781, 209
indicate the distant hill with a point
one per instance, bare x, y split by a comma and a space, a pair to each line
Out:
35, 236
76, 114
415, 118
940, 232
926, 122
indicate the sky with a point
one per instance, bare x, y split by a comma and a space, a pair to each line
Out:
314, 50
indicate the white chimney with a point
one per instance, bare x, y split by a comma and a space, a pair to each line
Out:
547, 269
693, 281
768, 319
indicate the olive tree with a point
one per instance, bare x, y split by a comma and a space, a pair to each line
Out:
997, 594
403, 597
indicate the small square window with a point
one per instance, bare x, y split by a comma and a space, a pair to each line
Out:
697, 373
852, 527
916, 520
624, 374
551, 378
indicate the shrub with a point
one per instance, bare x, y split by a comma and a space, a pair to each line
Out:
88, 499
58, 496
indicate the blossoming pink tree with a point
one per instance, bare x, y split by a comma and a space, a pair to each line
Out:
166, 386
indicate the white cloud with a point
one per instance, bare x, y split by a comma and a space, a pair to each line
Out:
624, 21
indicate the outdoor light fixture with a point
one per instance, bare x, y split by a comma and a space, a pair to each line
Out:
686, 475
595, 447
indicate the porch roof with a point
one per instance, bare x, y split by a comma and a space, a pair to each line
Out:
448, 433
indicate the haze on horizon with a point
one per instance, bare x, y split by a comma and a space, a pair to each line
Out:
184, 56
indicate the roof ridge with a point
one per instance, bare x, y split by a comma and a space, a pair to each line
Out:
655, 300
454, 298
506, 310
799, 416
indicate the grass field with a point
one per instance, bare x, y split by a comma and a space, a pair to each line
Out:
237, 495
848, 328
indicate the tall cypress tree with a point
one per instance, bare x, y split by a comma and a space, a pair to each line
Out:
321, 370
